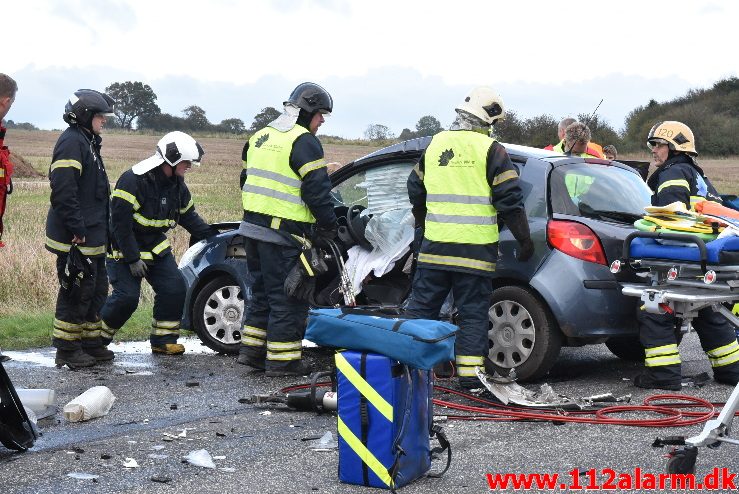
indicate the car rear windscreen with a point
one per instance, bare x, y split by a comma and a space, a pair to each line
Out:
598, 190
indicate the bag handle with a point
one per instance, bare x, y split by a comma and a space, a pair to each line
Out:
438, 431
399, 451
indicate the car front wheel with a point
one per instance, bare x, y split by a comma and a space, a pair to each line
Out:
218, 315
522, 335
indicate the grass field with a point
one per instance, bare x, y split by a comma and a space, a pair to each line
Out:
28, 283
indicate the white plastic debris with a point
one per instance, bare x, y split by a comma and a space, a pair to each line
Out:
200, 458
266, 412
37, 400
95, 402
82, 475
31, 415
227, 469
219, 457
325, 443
130, 463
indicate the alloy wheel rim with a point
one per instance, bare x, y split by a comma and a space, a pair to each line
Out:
223, 314
512, 334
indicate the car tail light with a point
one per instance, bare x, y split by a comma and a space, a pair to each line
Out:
576, 240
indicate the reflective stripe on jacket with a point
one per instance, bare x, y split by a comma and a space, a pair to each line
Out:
272, 187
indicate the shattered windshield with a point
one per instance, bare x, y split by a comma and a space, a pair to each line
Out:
379, 189
598, 191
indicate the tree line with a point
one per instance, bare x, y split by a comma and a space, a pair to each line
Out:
712, 114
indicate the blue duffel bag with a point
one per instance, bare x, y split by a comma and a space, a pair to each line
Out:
419, 343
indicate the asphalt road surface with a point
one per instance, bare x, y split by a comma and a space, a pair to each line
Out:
167, 407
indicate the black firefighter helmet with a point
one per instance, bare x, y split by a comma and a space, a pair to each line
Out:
312, 98
85, 104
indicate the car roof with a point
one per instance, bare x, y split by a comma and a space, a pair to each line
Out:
416, 147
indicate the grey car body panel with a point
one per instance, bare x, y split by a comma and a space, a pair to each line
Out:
582, 296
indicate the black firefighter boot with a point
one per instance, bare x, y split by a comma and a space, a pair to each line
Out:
98, 351
662, 377
73, 358
294, 368
94, 345
252, 356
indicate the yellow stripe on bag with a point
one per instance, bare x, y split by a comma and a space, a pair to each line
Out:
382, 406
364, 454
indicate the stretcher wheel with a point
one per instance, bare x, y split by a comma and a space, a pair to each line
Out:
682, 460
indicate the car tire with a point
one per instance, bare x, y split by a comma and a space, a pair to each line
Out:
523, 334
218, 315
629, 348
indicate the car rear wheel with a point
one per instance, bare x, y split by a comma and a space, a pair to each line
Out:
628, 348
522, 335
218, 315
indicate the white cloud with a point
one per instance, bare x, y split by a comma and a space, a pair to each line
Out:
387, 61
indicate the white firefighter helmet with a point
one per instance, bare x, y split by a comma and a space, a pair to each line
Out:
484, 103
172, 149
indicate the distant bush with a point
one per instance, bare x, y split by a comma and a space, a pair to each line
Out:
712, 114
20, 125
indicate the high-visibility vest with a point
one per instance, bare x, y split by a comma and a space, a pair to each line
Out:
458, 195
271, 186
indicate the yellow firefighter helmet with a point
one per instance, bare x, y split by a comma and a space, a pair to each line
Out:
676, 135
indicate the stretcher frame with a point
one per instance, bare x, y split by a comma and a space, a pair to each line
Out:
683, 288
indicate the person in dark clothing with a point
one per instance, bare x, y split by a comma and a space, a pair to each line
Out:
678, 178
287, 207
78, 221
148, 200
463, 182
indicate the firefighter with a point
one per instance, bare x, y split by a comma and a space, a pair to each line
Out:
78, 216
287, 203
8, 88
148, 200
464, 181
678, 178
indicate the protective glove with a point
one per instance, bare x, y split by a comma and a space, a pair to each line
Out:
321, 235
138, 268
526, 250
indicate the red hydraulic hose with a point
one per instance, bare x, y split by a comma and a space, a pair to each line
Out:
672, 410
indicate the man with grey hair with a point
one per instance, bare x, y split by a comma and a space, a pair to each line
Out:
561, 131
592, 149
577, 138
8, 88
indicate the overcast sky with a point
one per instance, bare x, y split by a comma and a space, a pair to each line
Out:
388, 62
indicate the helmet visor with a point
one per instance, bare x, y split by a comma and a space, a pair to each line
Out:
655, 142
